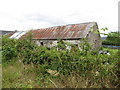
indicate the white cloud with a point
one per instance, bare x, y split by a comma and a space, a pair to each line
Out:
27, 14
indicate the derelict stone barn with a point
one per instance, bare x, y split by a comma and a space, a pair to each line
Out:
71, 33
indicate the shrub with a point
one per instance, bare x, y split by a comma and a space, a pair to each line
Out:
9, 48
82, 62
112, 39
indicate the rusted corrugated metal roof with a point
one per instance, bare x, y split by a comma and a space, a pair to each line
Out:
71, 31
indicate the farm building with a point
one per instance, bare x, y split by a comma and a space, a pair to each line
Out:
72, 33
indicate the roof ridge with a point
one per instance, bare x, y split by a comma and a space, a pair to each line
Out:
65, 25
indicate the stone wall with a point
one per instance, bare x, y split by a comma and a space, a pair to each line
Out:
93, 38
53, 43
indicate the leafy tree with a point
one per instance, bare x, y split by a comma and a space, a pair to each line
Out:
112, 39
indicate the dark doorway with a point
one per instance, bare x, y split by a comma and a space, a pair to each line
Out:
41, 43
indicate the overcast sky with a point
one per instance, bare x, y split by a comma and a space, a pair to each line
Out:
34, 14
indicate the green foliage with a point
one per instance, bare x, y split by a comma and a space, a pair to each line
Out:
9, 48
61, 44
97, 31
85, 46
112, 39
82, 62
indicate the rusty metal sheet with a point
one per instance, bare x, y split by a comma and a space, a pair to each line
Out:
62, 32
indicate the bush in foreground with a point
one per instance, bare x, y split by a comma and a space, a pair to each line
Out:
98, 69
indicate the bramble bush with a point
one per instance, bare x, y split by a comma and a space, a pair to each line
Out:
9, 49
83, 62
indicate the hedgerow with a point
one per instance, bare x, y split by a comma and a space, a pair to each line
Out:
83, 61
112, 39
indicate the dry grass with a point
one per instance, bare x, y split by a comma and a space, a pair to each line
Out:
24, 76
74, 81
18, 75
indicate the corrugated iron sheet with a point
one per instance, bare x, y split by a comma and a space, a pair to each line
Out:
18, 34
62, 32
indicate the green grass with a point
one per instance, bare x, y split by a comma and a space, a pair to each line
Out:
18, 75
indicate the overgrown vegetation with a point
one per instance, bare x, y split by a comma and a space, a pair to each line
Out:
26, 65
112, 39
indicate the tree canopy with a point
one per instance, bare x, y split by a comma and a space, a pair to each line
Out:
113, 38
